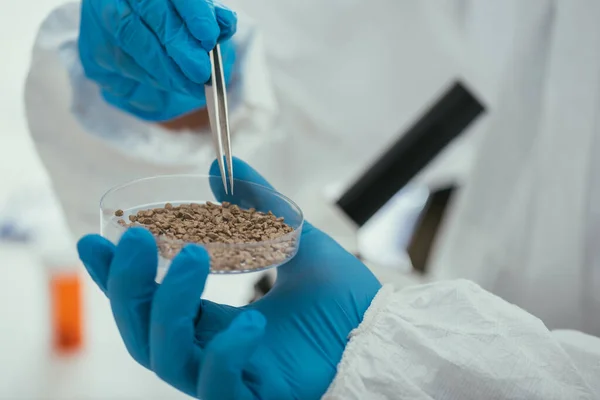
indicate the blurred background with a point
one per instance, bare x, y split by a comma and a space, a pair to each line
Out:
470, 108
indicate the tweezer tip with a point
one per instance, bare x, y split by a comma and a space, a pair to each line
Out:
225, 185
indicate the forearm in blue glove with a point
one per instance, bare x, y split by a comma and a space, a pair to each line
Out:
285, 346
150, 57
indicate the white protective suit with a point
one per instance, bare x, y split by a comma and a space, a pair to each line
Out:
526, 225
454, 341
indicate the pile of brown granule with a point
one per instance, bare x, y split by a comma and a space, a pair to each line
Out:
218, 227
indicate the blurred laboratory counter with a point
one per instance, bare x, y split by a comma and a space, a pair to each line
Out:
30, 369
102, 369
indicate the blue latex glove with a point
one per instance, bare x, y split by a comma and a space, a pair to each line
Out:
284, 346
150, 57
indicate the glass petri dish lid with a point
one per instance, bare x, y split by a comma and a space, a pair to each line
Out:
252, 230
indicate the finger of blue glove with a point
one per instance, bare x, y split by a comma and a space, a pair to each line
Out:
118, 73
213, 318
105, 62
226, 356
142, 100
227, 21
152, 104
164, 21
201, 20
249, 187
241, 171
96, 253
247, 194
147, 100
142, 45
175, 357
116, 85
131, 287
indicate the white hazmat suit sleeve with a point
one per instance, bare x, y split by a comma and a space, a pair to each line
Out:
454, 340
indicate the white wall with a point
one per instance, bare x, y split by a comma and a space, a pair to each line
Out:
18, 26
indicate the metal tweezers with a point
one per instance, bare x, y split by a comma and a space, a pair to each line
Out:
216, 103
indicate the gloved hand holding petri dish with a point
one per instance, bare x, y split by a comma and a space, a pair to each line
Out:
286, 345
254, 229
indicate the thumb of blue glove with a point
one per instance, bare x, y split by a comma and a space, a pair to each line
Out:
227, 355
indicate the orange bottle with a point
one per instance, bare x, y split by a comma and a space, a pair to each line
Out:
38, 212
66, 310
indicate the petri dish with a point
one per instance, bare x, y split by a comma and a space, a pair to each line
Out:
180, 191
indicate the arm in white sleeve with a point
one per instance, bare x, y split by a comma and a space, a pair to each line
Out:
453, 340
